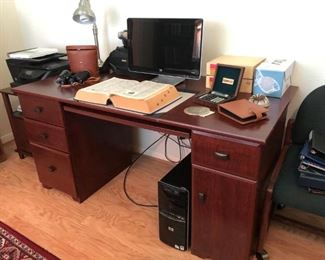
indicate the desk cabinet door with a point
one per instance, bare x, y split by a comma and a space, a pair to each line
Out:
222, 215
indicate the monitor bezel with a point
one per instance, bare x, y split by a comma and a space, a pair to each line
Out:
162, 71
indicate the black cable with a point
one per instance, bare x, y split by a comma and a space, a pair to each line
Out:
181, 140
128, 170
189, 145
166, 149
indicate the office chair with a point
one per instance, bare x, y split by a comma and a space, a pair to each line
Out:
283, 189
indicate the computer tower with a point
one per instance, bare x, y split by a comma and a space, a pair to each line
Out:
174, 201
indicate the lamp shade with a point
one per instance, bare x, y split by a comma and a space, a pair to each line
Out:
84, 14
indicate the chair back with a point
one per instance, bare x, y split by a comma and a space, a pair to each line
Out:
310, 116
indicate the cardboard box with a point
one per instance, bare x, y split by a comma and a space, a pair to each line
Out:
250, 63
273, 77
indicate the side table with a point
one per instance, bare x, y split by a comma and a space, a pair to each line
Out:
17, 125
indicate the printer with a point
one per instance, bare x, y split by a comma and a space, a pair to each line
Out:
32, 69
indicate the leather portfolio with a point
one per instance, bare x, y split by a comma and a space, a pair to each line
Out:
242, 111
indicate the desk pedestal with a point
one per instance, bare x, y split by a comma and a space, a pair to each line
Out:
99, 151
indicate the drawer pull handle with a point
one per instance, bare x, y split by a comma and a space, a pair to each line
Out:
202, 197
51, 168
38, 109
222, 155
44, 136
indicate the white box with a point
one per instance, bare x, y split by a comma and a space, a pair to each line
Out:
273, 77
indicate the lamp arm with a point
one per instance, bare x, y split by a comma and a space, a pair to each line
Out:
95, 32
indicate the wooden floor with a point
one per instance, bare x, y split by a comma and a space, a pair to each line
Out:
108, 225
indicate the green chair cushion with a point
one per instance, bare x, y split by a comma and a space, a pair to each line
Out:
288, 191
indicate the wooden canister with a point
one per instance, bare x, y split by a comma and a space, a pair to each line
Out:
83, 57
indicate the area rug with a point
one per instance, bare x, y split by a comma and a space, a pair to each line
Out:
15, 246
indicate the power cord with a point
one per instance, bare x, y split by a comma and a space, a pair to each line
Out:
166, 149
179, 142
128, 170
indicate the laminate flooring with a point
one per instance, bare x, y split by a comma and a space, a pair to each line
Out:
107, 225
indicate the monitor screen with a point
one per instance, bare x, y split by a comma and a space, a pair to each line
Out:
164, 46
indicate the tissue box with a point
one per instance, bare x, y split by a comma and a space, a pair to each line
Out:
273, 77
250, 63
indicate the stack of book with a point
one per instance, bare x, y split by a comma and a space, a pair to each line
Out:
312, 165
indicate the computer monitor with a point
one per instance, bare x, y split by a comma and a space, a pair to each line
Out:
168, 48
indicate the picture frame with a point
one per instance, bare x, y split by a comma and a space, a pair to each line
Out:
225, 87
227, 79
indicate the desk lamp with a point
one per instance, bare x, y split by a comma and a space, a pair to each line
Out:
84, 15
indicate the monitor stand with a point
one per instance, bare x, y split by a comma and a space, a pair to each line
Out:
172, 80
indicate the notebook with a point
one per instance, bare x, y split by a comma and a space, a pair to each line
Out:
317, 143
225, 87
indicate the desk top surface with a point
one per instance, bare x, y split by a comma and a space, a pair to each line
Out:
215, 123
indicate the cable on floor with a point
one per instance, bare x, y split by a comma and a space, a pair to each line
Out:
128, 170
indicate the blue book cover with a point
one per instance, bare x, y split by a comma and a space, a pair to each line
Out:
306, 154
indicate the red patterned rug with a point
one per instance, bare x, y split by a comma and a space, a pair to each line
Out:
14, 246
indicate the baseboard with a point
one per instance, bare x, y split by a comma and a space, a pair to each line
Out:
158, 151
7, 138
172, 157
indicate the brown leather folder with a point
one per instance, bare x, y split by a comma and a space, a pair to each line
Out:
242, 111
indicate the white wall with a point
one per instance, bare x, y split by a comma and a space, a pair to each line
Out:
10, 39
280, 29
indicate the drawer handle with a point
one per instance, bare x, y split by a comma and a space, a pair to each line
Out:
51, 168
222, 155
202, 197
44, 136
38, 109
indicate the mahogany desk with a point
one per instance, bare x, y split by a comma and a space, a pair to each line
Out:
79, 147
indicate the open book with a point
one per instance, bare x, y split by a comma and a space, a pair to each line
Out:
145, 97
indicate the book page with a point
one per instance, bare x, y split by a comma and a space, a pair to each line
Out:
184, 96
142, 90
126, 88
110, 86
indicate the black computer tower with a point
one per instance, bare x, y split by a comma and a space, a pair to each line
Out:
174, 200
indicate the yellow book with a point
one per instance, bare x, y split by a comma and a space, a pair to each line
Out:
145, 96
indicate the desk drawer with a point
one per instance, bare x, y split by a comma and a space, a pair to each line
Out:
48, 135
41, 109
54, 169
237, 157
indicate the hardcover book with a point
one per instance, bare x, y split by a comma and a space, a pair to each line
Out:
144, 97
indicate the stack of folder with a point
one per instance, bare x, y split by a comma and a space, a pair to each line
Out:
312, 165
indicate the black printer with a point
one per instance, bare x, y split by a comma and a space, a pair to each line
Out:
28, 70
